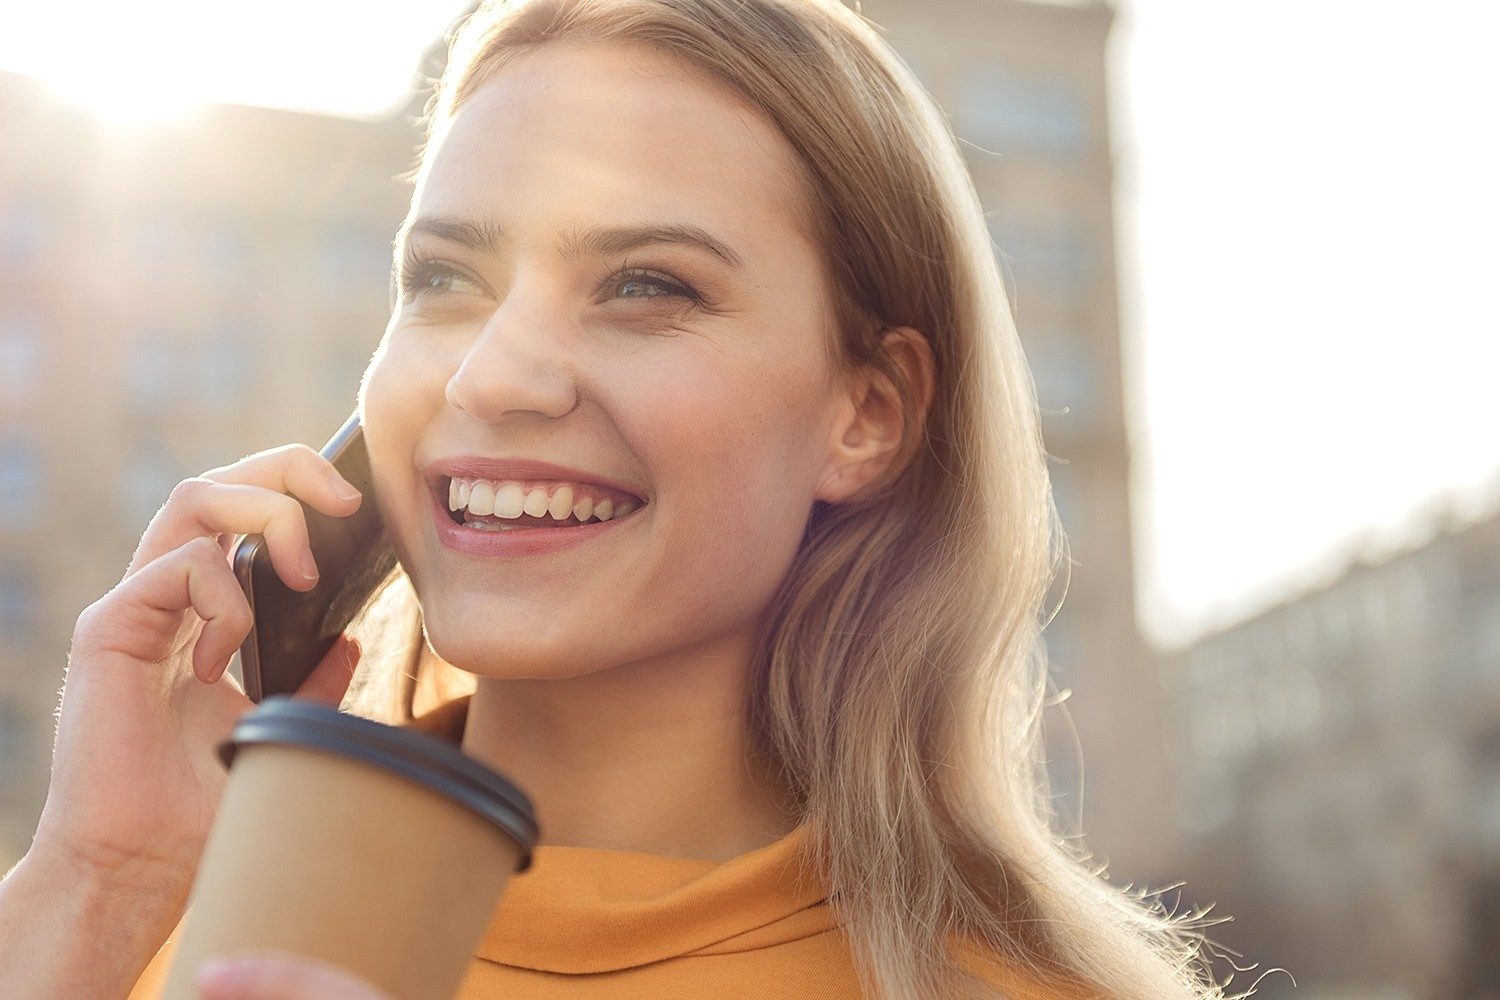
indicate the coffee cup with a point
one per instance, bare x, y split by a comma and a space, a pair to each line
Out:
378, 849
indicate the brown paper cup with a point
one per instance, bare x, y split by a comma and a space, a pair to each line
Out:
381, 850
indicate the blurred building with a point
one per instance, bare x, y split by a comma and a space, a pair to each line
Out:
1026, 90
1337, 763
172, 300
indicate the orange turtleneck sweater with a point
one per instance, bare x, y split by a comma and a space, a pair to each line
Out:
604, 924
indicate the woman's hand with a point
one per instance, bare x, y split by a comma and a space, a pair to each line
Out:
280, 975
136, 780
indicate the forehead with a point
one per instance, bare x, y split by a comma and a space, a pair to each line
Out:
584, 131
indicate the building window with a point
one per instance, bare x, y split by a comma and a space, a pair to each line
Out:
1373, 611
20, 232
18, 603
1304, 702
1005, 112
1487, 815
224, 361
20, 481
150, 371
1301, 631
1049, 254
1408, 593
226, 250
1065, 377
149, 478
15, 742
1486, 630
20, 355
355, 254
1336, 620
165, 241
1267, 644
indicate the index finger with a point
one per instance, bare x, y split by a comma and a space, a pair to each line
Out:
293, 469
290, 468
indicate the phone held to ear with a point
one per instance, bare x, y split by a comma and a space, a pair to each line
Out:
293, 629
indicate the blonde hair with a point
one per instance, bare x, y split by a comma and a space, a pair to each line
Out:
899, 682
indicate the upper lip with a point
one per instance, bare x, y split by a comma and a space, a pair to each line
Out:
487, 467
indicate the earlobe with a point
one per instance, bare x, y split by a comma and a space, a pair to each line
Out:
874, 415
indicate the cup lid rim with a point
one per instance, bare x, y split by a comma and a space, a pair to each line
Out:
420, 757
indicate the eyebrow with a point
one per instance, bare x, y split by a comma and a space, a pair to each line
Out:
484, 236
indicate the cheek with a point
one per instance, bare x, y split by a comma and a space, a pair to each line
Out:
387, 398
735, 452
395, 405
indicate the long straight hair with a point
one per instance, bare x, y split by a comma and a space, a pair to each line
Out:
899, 682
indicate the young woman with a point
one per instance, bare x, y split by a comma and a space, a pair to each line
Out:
720, 263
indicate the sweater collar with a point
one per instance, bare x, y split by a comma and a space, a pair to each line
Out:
588, 910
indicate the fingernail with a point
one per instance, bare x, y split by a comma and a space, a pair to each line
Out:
221, 972
343, 490
309, 567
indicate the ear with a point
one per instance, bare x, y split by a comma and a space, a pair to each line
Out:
874, 414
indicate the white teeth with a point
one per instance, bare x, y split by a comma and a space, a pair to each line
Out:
510, 499
482, 498
562, 503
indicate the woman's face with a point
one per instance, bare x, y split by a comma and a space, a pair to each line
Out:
715, 410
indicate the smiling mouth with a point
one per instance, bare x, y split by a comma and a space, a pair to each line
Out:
496, 522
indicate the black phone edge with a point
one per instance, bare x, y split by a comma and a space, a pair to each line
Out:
249, 546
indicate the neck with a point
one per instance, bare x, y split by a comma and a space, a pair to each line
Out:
648, 756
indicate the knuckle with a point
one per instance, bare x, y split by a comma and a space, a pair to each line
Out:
291, 510
187, 490
300, 452
316, 460
205, 547
89, 615
101, 624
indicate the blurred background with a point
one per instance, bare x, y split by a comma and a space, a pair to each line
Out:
1251, 253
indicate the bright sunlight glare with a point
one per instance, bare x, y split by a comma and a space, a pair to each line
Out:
156, 60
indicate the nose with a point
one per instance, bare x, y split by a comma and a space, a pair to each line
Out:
519, 361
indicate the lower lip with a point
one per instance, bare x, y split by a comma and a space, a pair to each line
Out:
516, 541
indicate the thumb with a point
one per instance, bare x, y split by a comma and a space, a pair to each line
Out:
330, 679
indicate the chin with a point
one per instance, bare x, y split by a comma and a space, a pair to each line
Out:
493, 648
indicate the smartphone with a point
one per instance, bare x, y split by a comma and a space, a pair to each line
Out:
293, 629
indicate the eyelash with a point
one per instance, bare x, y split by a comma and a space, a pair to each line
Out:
417, 269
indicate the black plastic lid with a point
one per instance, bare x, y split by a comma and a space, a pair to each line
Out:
417, 756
